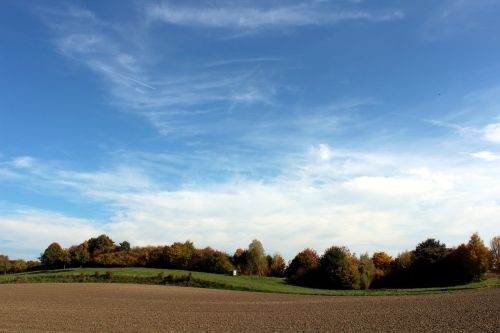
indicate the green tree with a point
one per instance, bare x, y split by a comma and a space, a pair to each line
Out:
480, 256
101, 244
256, 259
495, 254
79, 254
429, 252
55, 256
338, 269
124, 246
366, 270
179, 255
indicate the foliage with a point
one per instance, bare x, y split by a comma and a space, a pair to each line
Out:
55, 256
277, 266
382, 263
179, 255
79, 254
430, 264
210, 260
303, 268
239, 259
480, 256
366, 270
338, 269
427, 267
101, 244
495, 254
4, 264
256, 263
124, 246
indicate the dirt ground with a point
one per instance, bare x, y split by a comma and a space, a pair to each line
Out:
143, 308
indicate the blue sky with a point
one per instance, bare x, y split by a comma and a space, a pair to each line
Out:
373, 125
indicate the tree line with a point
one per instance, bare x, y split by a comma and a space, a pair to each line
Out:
430, 264
103, 252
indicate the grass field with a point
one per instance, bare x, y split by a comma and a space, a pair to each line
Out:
244, 283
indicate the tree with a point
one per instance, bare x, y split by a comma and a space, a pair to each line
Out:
366, 270
403, 260
277, 266
55, 256
429, 252
480, 256
79, 254
382, 263
18, 266
338, 269
101, 244
179, 255
302, 269
495, 254
239, 259
210, 260
4, 264
459, 265
427, 269
124, 246
256, 259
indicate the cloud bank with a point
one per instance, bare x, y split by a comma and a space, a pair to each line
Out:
367, 201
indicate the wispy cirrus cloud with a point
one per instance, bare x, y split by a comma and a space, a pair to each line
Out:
451, 18
253, 18
169, 98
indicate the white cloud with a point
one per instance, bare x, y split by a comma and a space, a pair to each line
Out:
323, 152
254, 18
23, 162
486, 155
366, 201
27, 232
492, 133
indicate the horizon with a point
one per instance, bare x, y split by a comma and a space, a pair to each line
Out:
298, 123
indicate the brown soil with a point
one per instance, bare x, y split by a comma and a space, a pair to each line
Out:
143, 308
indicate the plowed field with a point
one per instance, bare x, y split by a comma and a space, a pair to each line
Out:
143, 308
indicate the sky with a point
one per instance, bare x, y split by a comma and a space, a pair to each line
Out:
368, 124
